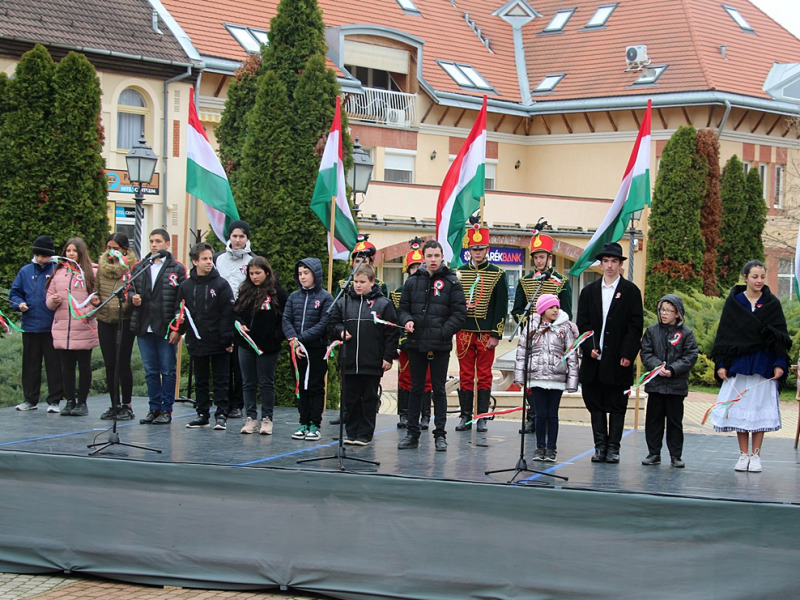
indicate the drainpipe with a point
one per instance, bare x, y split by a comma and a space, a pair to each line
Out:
165, 140
724, 118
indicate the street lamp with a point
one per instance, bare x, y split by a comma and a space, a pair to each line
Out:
635, 216
141, 162
360, 175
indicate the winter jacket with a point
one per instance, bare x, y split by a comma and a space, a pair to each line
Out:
265, 323
674, 345
305, 317
232, 265
158, 302
372, 343
30, 287
209, 300
108, 280
436, 304
548, 345
70, 333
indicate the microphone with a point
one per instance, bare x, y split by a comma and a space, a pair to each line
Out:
542, 276
157, 255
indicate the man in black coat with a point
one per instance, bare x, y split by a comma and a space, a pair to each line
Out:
432, 309
612, 308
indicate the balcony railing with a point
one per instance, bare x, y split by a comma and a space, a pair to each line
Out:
396, 109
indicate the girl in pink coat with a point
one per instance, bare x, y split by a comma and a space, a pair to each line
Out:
70, 294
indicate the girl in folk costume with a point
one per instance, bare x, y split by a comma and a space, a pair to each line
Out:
751, 359
70, 296
545, 340
258, 312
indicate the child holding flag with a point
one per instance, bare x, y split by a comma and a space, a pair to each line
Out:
668, 345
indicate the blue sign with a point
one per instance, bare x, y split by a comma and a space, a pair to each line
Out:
501, 256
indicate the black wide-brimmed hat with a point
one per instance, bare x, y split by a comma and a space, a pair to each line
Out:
611, 249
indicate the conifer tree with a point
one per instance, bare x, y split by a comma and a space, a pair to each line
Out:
734, 247
710, 214
756, 215
675, 252
3, 88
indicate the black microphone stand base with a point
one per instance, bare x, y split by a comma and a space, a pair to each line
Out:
341, 456
522, 467
113, 440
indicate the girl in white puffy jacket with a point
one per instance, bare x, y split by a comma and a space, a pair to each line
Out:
544, 340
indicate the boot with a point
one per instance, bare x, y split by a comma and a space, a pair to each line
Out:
484, 399
616, 423
600, 432
68, 408
465, 398
402, 408
425, 415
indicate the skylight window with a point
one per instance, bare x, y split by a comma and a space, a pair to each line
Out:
466, 76
737, 16
548, 83
601, 15
560, 19
650, 74
408, 6
250, 39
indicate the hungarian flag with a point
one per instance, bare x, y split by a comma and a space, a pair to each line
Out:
205, 177
633, 195
462, 190
330, 186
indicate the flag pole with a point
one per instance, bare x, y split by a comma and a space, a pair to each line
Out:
483, 203
331, 243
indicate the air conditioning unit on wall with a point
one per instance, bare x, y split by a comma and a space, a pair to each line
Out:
636, 57
395, 116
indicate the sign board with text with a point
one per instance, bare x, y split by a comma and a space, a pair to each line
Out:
118, 182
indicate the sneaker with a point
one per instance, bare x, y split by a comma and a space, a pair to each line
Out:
677, 462
313, 433
360, 442
235, 413
743, 463
301, 432
408, 442
124, 413
81, 410
440, 443
151, 416
250, 426
26, 406
424, 423
266, 426
221, 424
538, 454
200, 421
550, 455
755, 463
53, 408
68, 408
109, 414
349, 442
163, 418
652, 459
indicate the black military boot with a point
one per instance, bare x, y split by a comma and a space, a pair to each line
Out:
465, 399
425, 414
484, 399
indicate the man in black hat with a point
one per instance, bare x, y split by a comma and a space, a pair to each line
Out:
612, 308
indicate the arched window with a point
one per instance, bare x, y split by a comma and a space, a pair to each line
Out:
131, 112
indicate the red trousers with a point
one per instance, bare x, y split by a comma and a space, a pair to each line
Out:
474, 359
404, 374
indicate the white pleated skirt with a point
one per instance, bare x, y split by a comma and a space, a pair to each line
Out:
758, 409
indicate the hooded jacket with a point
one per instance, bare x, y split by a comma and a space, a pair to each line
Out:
108, 280
210, 301
674, 345
30, 287
305, 317
545, 368
232, 265
70, 333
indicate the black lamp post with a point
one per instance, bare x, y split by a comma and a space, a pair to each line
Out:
632, 232
360, 175
141, 162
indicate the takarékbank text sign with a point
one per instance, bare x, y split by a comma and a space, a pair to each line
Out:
501, 256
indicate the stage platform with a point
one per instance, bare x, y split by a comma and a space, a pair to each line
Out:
218, 509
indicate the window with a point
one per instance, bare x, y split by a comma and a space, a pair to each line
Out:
785, 277
466, 76
398, 166
374, 78
780, 171
560, 19
490, 174
737, 16
131, 113
746, 166
408, 6
762, 173
601, 15
548, 83
250, 39
650, 74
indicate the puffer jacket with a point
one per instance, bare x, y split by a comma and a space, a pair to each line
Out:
210, 302
70, 333
108, 280
158, 301
436, 304
372, 343
30, 287
545, 368
305, 317
674, 345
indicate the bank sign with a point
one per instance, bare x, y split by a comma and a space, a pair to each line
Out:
501, 256
118, 182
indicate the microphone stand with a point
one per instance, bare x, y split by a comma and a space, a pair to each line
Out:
113, 436
341, 452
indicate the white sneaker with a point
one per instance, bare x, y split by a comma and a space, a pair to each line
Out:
744, 462
755, 463
53, 408
26, 406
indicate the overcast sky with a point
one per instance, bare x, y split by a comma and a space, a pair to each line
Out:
785, 12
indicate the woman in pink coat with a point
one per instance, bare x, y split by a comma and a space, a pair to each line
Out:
70, 294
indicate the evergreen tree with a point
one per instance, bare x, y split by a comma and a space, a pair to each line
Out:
675, 252
734, 245
26, 139
710, 214
756, 215
3, 89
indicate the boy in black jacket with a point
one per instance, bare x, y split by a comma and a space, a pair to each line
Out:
206, 318
368, 352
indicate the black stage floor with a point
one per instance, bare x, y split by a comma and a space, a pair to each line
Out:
709, 457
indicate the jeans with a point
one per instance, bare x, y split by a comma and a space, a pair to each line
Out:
35, 347
258, 372
159, 360
545, 404
107, 335
204, 366
69, 360
419, 364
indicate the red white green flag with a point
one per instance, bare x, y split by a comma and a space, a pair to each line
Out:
330, 185
205, 177
633, 196
462, 190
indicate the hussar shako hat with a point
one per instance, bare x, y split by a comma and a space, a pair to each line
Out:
363, 248
413, 256
476, 237
541, 243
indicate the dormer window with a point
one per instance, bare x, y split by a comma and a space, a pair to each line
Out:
737, 16
601, 15
559, 21
250, 38
548, 83
650, 74
466, 75
408, 6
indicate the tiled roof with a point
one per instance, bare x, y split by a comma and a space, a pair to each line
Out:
122, 26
